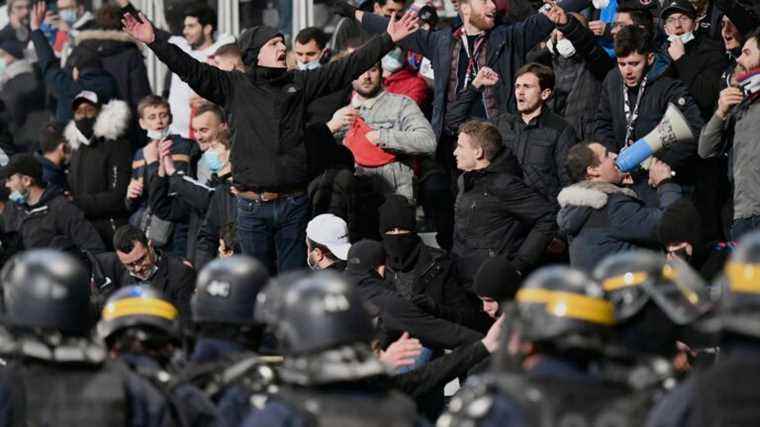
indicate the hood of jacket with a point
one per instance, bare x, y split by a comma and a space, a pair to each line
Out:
106, 42
579, 200
112, 123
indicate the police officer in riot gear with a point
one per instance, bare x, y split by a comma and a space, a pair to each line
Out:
726, 393
54, 373
560, 327
141, 329
330, 375
224, 363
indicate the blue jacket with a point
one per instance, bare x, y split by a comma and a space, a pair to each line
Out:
64, 86
600, 219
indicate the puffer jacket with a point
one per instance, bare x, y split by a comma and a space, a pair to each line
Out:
599, 219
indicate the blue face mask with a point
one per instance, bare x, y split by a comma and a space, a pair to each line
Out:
212, 160
17, 197
2, 67
69, 16
313, 65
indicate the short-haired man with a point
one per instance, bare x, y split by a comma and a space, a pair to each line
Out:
54, 155
44, 218
136, 261
17, 29
599, 216
327, 243
633, 101
310, 47
495, 212
737, 119
229, 57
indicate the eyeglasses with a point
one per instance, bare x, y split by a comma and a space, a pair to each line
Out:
683, 19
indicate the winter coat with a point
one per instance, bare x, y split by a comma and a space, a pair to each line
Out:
700, 69
99, 171
220, 215
269, 114
403, 130
600, 219
496, 213
54, 222
23, 98
123, 59
52, 175
64, 86
541, 148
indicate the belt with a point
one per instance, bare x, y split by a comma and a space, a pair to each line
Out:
266, 196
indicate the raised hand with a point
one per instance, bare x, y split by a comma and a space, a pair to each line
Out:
38, 15
597, 27
142, 32
486, 77
399, 29
556, 14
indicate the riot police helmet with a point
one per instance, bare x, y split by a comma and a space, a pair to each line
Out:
139, 307
739, 309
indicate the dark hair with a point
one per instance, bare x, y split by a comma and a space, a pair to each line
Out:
544, 74
51, 136
755, 34
84, 58
209, 107
202, 12
313, 33
630, 40
125, 237
108, 17
325, 251
384, 2
579, 158
484, 136
641, 18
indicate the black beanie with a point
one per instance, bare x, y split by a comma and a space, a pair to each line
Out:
253, 39
365, 255
497, 279
397, 212
680, 223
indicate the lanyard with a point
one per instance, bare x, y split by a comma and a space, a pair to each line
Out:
472, 58
631, 116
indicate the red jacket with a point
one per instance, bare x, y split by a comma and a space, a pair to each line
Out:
408, 83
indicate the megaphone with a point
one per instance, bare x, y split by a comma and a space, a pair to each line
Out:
672, 129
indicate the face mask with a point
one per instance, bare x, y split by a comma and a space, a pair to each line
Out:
313, 65
158, 135
17, 197
212, 160
392, 61
312, 265
600, 4
685, 37
565, 48
400, 248
2, 67
69, 16
85, 126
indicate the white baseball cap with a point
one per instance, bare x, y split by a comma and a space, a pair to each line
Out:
331, 232
85, 95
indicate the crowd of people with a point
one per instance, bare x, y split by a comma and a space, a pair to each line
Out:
554, 203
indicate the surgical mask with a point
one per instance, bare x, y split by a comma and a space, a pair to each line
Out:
158, 135
2, 67
312, 265
685, 37
313, 65
212, 160
565, 48
69, 16
17, 197
392, 61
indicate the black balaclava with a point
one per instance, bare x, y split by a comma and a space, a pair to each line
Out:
402, 249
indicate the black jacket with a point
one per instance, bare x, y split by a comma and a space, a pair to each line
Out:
700, 69
175, 279
496, 213
399, 315
53, 176
269, 115
541, 148
435, 276
53, 222
611, 124
221, 216
99, 172
23, 105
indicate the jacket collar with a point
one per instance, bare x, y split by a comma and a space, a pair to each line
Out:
591, 194
112, 123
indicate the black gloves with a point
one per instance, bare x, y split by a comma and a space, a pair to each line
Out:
343, 8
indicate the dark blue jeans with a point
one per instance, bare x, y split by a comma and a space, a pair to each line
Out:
743, 226
274, 232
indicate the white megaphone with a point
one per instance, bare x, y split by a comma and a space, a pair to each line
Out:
673, 128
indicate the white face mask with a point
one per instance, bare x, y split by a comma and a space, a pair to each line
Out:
158, 135
392, 61
563, 47
313, 65
685, 37
600, 4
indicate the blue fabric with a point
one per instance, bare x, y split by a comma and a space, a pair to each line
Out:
274, 231
608, 15
743, 226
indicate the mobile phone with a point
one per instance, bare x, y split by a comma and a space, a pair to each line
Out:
130, 9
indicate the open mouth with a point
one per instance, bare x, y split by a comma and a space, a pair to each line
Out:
281, 57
